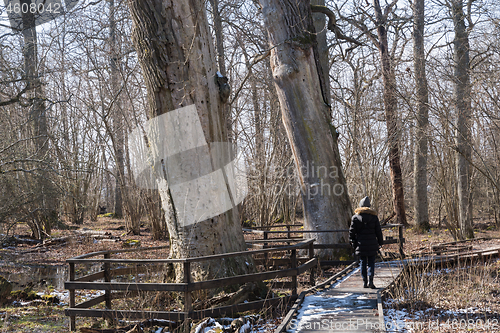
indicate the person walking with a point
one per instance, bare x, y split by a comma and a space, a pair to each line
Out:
365, 236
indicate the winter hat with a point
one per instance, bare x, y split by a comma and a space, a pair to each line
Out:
365, 202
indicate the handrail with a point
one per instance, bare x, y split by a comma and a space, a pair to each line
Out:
299, 245
386, 226
186, 287
139, 249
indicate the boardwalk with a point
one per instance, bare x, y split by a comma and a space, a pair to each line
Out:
347, 306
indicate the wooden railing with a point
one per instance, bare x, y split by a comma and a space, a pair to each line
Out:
113, 290
265, 241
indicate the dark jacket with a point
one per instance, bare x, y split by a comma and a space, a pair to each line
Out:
365, 234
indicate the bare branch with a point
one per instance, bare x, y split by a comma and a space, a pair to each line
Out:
255, 60
469, 15
361, 26
332, 23
388, 9
14, 99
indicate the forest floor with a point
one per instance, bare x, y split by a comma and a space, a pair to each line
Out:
42, 269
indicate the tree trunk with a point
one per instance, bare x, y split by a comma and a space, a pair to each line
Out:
117, 115
422, 121
46, 196
219, 41
462, 104
177, 57
306, 116
390, 103
319, 20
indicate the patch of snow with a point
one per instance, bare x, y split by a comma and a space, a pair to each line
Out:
203, 325
245, 328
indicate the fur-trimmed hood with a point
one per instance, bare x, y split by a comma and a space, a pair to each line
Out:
365, 210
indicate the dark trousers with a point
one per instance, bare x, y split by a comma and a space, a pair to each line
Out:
367, 262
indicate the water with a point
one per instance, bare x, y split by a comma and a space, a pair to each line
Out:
40, 276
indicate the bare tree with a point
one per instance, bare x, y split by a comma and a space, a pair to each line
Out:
422, 119
47, 200
178, 60
463, 109
390, 102
306, 115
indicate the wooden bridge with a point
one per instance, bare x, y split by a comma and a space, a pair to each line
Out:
116, 267
343, 305
276, 262
337, 304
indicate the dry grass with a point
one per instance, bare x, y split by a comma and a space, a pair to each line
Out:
465, 291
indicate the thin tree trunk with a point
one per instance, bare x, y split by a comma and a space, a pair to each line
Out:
319, 20
420, 174
219, 41
306, 116
118, 141
177, 57
462, 104
390, 103
46, 200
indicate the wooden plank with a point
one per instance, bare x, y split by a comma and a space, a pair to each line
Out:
300, 231
240, 279
277, 262
139, 249
103, 313
303, 244
125, 261
274, 226
271, 240
241, 307
284, 323
308, 265
91, 302
91, 277
393, 241
332, 246
125, 286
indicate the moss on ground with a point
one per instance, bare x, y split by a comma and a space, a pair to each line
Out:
41, 319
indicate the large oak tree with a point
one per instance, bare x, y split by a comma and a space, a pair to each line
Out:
299, 81
178, 60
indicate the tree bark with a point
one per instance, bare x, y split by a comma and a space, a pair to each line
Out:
306, 116
422, 119
319, 20
46, 199
177, 57
390, 103
219, 41
116, 111
462, 105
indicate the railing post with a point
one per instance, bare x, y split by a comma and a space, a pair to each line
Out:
312, 279
72, 319
265, 247
187, 296
294, 277
107, 278
401, 241
187, 293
